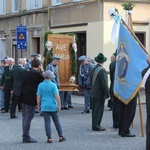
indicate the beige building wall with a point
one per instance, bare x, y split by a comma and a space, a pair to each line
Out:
140, 16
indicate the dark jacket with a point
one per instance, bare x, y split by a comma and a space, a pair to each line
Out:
5, 81
16, 76
100, 88
112, 76
147, 90
30, 81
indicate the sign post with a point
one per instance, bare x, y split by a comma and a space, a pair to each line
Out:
21, 38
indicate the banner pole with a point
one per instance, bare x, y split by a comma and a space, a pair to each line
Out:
140, 111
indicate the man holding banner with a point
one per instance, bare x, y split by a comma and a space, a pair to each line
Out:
128, 78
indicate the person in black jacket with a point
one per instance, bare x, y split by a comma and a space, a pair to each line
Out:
30, 81
146, 81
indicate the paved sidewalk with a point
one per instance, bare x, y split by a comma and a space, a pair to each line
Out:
77, 130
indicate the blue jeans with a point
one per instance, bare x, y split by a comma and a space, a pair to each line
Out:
86, 99
1, 98
47, 121
27, 114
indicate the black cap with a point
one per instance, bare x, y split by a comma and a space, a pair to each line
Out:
57, 58
34, 55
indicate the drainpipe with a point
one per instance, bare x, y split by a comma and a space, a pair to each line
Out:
49, 14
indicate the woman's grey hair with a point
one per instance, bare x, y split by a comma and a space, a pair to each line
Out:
48, 74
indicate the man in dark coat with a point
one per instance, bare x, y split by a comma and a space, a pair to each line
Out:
16, 76
30, 81
5, 82
146, 82
116, 101
99, 92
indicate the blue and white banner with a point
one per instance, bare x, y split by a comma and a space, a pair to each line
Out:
130, 61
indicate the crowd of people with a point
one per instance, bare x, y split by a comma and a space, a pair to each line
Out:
29, 87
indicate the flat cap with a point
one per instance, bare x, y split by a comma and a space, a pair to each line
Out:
34, 55
57, 58
3, 60
81, 58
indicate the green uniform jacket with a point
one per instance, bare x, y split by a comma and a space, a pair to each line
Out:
5, 81
100, 88
16, 77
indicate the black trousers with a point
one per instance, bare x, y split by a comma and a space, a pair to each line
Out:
148, 132
7, 96
127, 114
15, 101
148, 121
116, 112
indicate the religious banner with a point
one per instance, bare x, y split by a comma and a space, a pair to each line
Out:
130, 61
62, 48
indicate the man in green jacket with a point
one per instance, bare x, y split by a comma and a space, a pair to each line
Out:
5, 83
99, 92
15, 80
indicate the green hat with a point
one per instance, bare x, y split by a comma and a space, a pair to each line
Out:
100, 58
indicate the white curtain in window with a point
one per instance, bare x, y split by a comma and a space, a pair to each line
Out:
28, 4
2, 6
14, 5
39, 3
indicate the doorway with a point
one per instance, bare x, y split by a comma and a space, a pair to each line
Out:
141, 36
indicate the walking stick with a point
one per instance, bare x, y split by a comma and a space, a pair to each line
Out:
140, 111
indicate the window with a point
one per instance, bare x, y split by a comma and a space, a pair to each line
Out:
76, 0
56, 2
14, 5
2, 7
33, 4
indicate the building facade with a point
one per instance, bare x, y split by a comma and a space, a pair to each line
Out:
29, 13
88, 19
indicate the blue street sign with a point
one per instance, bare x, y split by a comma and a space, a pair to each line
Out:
21, 37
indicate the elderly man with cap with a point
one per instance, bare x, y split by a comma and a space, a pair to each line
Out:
3, 64
53, 66
84, 80
99, 92
33, 57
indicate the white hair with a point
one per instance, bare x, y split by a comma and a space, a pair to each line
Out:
20, 61
10, 59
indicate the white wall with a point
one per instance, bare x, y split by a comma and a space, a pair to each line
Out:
2, 48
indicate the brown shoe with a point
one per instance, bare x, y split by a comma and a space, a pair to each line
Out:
4, 111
